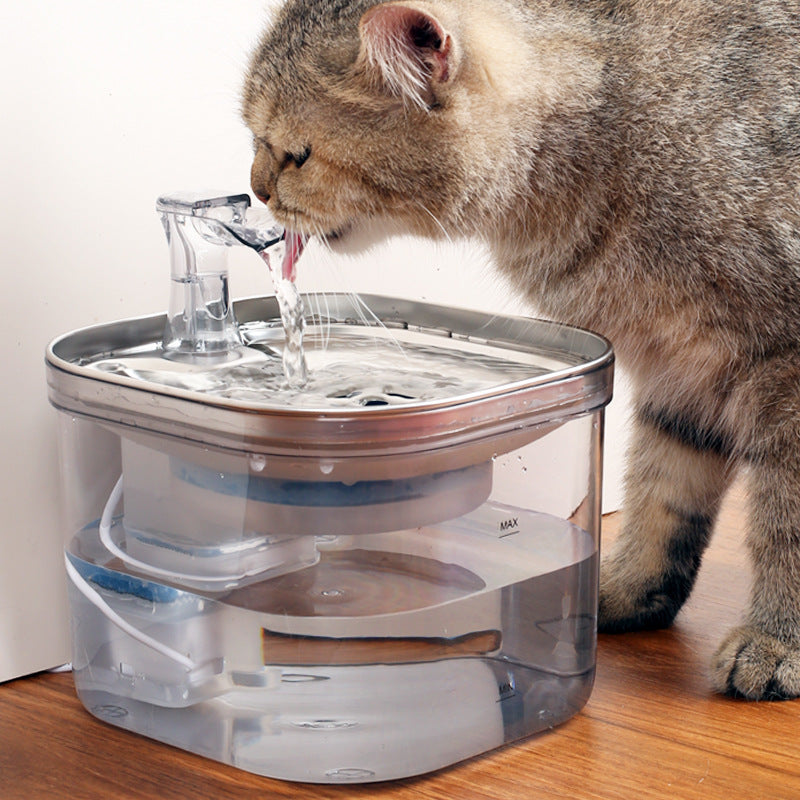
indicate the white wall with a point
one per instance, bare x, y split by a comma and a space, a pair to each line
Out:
106, 106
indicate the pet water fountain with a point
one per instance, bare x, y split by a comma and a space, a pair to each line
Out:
369, 574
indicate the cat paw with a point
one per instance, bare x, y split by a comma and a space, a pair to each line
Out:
752, 664
625, 608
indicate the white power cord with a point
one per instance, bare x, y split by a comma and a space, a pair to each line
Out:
96, 600
149, 569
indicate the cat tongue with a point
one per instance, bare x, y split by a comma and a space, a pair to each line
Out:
294, 243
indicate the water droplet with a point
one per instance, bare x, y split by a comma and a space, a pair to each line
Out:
326, 467
258, 462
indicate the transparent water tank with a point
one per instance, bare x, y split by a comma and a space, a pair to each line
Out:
378, 575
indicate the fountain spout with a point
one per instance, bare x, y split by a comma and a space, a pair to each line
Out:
201, 324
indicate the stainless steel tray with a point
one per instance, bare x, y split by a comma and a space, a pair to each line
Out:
571, 373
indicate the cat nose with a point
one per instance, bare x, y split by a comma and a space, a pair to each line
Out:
258, 186
258, 171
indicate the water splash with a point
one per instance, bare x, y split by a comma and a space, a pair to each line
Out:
280, 251
347, 366
290, 303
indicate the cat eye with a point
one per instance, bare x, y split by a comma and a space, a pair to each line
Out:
298, 159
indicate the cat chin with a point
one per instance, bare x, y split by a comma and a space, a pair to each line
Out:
360, 237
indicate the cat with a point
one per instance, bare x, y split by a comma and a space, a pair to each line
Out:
634, 167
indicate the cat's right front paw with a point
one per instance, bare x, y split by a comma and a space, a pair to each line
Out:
752, 664
626, 607
652, 612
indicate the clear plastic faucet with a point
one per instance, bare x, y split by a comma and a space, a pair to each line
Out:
199, 229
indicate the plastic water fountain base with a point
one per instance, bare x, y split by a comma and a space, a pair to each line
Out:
326, 590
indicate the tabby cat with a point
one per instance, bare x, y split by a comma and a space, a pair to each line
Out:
634, 166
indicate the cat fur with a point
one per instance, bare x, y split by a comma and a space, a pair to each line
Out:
634, 167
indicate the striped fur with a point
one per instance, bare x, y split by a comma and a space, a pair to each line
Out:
634, 166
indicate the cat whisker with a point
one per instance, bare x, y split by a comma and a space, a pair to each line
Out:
364, 313
324, 239
436, 220
320, 317
369, 318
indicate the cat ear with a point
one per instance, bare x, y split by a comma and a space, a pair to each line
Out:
410, 48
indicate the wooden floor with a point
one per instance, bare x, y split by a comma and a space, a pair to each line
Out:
652, 729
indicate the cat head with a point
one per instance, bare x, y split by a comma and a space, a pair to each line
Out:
415, 115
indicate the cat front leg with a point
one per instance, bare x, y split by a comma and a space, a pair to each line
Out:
760, 660
676, 476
